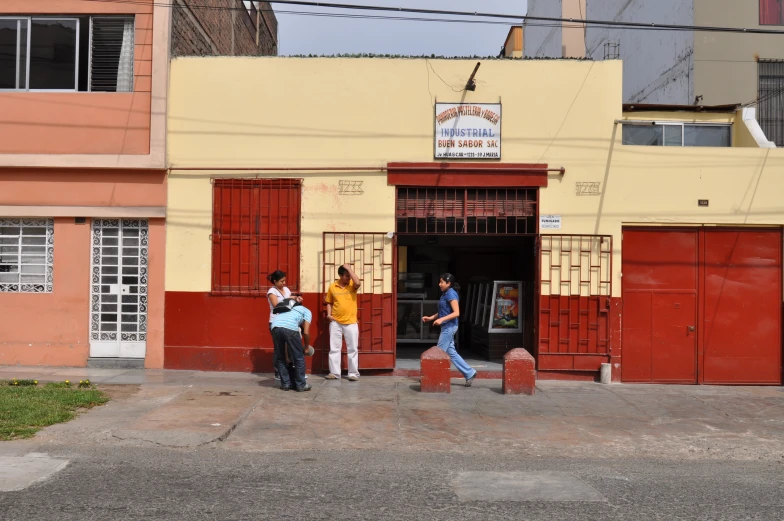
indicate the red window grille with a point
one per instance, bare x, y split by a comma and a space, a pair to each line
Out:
466, 210
255, 231
771, 12
576, 287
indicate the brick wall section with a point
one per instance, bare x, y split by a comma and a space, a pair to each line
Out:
211, 31
268, 37
186, 39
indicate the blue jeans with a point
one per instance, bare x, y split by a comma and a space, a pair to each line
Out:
286, 337
446, 341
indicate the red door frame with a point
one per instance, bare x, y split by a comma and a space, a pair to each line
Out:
477, 175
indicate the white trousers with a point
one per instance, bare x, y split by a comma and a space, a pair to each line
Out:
338, 333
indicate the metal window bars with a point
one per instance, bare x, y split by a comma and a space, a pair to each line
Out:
486, 211
372, 257
770, 99
576, 286
256, 230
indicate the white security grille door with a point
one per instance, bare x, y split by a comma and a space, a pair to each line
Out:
118, 315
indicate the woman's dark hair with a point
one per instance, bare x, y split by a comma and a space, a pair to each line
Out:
275, 276
449, 278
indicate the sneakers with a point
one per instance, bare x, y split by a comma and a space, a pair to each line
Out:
304, 389
353, 378
469, 381
331, 376
277, 375
285, 388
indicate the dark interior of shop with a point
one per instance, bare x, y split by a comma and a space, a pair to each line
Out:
477, 262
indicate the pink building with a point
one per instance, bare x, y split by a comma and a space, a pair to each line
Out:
83, 181
83, 88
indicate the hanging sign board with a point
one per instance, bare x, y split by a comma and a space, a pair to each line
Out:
468, 131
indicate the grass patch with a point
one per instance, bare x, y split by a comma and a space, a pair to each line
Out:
25, 409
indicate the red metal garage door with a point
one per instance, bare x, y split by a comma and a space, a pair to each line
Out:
373, 257
701, 305
659, 283
742, 328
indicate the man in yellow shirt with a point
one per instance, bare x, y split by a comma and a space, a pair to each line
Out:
342, 315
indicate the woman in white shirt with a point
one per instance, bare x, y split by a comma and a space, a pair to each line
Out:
275, 294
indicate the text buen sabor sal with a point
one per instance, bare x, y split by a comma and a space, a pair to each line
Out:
470, 133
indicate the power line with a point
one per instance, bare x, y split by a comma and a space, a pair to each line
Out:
316, 13
768, 95
609, 23
542, 21
440, 78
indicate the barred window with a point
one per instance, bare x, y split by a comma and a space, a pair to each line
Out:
255, 231
771, 12
26, 255
770, 99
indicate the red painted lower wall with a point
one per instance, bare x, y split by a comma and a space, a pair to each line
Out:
218, 333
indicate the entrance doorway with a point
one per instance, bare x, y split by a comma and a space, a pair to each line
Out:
482, 236
477, 262
702, 305
118, 309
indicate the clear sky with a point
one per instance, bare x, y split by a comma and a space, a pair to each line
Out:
321, 35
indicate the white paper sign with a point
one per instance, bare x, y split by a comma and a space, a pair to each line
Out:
468, 131
549, 222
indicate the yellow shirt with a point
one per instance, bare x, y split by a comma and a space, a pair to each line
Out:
344, 303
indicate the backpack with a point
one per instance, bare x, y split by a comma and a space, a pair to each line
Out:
285, 305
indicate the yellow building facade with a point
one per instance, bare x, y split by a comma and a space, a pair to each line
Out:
303, 164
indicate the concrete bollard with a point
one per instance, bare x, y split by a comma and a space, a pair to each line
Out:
435, 365
519, 372
606, 374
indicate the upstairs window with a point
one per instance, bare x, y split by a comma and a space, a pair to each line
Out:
770, 99
677, 135
86, 53
771, 12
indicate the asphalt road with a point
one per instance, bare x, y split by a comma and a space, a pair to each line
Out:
128, 483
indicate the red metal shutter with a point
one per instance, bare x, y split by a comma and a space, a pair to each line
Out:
660, 304
280, 229
256, 231
702, 305
235, 236
741, 330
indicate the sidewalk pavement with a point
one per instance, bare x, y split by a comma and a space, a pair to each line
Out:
247, 412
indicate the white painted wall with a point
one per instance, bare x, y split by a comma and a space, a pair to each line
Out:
539, 41
658, 66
